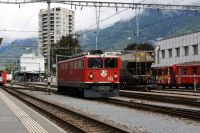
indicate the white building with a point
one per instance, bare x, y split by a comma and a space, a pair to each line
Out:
29, 63
61, 23
177, 50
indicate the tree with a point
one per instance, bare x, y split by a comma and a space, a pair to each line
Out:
67, 46
144, 46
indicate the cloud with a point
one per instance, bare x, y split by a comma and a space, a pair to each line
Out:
24, 17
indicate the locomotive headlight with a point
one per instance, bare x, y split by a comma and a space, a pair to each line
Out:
115, 76
91, 76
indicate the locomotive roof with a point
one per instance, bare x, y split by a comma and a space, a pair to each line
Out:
91, 56
102, 56
192, 63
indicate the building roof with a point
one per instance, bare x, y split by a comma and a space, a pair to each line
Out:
193, 63
180, 35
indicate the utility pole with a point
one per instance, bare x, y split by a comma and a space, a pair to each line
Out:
97, 22
137, 19
48, 38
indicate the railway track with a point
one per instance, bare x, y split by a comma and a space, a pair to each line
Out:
163, 98
180, 112
186, 113
183, 93
68, 120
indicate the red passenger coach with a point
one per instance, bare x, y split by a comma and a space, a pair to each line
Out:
185, 74
3, 77
90, 75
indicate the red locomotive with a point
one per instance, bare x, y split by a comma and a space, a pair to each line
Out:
92, 75
3, 77
185, 74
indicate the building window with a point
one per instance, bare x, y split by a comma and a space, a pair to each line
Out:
177, 52
23, 67
186, 50
170, 53
163, 54
195, 49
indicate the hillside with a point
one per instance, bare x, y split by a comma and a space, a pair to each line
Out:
18, 47
154, 25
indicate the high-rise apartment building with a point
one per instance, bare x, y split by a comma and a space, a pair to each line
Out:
61, 23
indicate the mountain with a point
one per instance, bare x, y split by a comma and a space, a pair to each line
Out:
154, 25
18, 47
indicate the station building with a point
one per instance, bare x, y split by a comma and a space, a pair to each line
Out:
29, 67
177, 50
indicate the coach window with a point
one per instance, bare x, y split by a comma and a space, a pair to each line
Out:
71, 65
194, 71
95, 63
79, 64
82, 64
65, 66
110, 63
75, 64
185, 71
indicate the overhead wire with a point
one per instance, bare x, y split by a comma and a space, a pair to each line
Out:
117, 13
152, 24
109, 17
31, 16
8, 30
161, 21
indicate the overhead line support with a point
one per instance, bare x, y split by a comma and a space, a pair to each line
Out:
111, 4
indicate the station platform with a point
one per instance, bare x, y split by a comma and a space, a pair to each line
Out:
16, 117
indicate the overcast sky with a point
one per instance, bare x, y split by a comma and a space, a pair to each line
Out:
25, 17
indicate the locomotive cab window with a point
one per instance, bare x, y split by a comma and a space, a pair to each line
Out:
110, 63
95, 63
